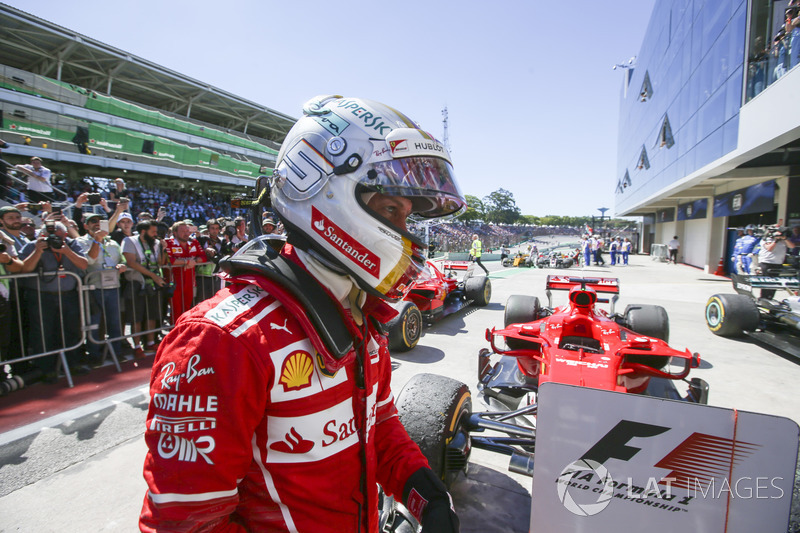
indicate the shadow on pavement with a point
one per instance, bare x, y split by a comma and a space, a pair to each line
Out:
419, 354
484, 498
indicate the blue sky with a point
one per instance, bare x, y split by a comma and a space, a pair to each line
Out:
531, 96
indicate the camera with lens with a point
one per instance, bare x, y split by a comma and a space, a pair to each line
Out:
34, 208
93, 198
168, 289
3, 247
230, 230
53, 241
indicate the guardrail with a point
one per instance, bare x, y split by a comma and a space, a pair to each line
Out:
99, 312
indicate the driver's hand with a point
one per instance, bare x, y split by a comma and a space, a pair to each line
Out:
440, 518
428, 500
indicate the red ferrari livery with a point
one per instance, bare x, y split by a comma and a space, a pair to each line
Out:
435, 294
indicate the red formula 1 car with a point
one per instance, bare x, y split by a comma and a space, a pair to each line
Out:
577, 343
435, 294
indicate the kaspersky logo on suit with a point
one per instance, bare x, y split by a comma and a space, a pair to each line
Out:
345, 243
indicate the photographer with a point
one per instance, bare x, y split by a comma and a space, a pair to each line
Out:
772, 255
215, 249
106, 263
52, 300
144, 259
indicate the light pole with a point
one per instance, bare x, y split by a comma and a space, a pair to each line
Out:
602, 215
628, 68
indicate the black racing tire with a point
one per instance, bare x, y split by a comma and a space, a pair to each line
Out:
479, 290
406, 328
730, 315
521, 309
507, 262
650, 320
435, 410
567, 263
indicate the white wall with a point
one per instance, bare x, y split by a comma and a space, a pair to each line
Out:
694, 242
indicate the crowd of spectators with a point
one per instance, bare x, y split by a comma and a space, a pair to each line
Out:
455, 236
142, 273
769, 61
178, 204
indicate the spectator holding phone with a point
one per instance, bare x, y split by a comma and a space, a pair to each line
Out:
105, 264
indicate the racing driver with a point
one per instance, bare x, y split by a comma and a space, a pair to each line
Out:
271, 407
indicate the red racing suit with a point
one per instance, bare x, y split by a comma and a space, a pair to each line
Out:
183, 277
248, 431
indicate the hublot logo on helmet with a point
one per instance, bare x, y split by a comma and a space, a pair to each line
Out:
433, 146
345, 243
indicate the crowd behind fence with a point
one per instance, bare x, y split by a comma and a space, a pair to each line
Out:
93, 320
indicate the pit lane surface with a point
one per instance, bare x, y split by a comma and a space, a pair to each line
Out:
81, 471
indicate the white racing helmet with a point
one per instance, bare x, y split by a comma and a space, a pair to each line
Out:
342, 151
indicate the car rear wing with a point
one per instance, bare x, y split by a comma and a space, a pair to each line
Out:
465, 266
565, 283
456, 265
745, 283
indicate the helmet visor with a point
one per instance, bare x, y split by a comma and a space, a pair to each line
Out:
427, 181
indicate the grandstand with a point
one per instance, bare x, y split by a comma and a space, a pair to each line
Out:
89, 109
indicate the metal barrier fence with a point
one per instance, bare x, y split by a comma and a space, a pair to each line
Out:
51, 328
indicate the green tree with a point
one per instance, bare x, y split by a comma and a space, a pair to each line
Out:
475, 209
501, 208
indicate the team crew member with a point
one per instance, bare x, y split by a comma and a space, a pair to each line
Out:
673, 246
475, 252
626, 249
748, 249
260, 418
184, 254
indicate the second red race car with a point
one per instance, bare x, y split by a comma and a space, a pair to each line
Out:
577, 344
437, 292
